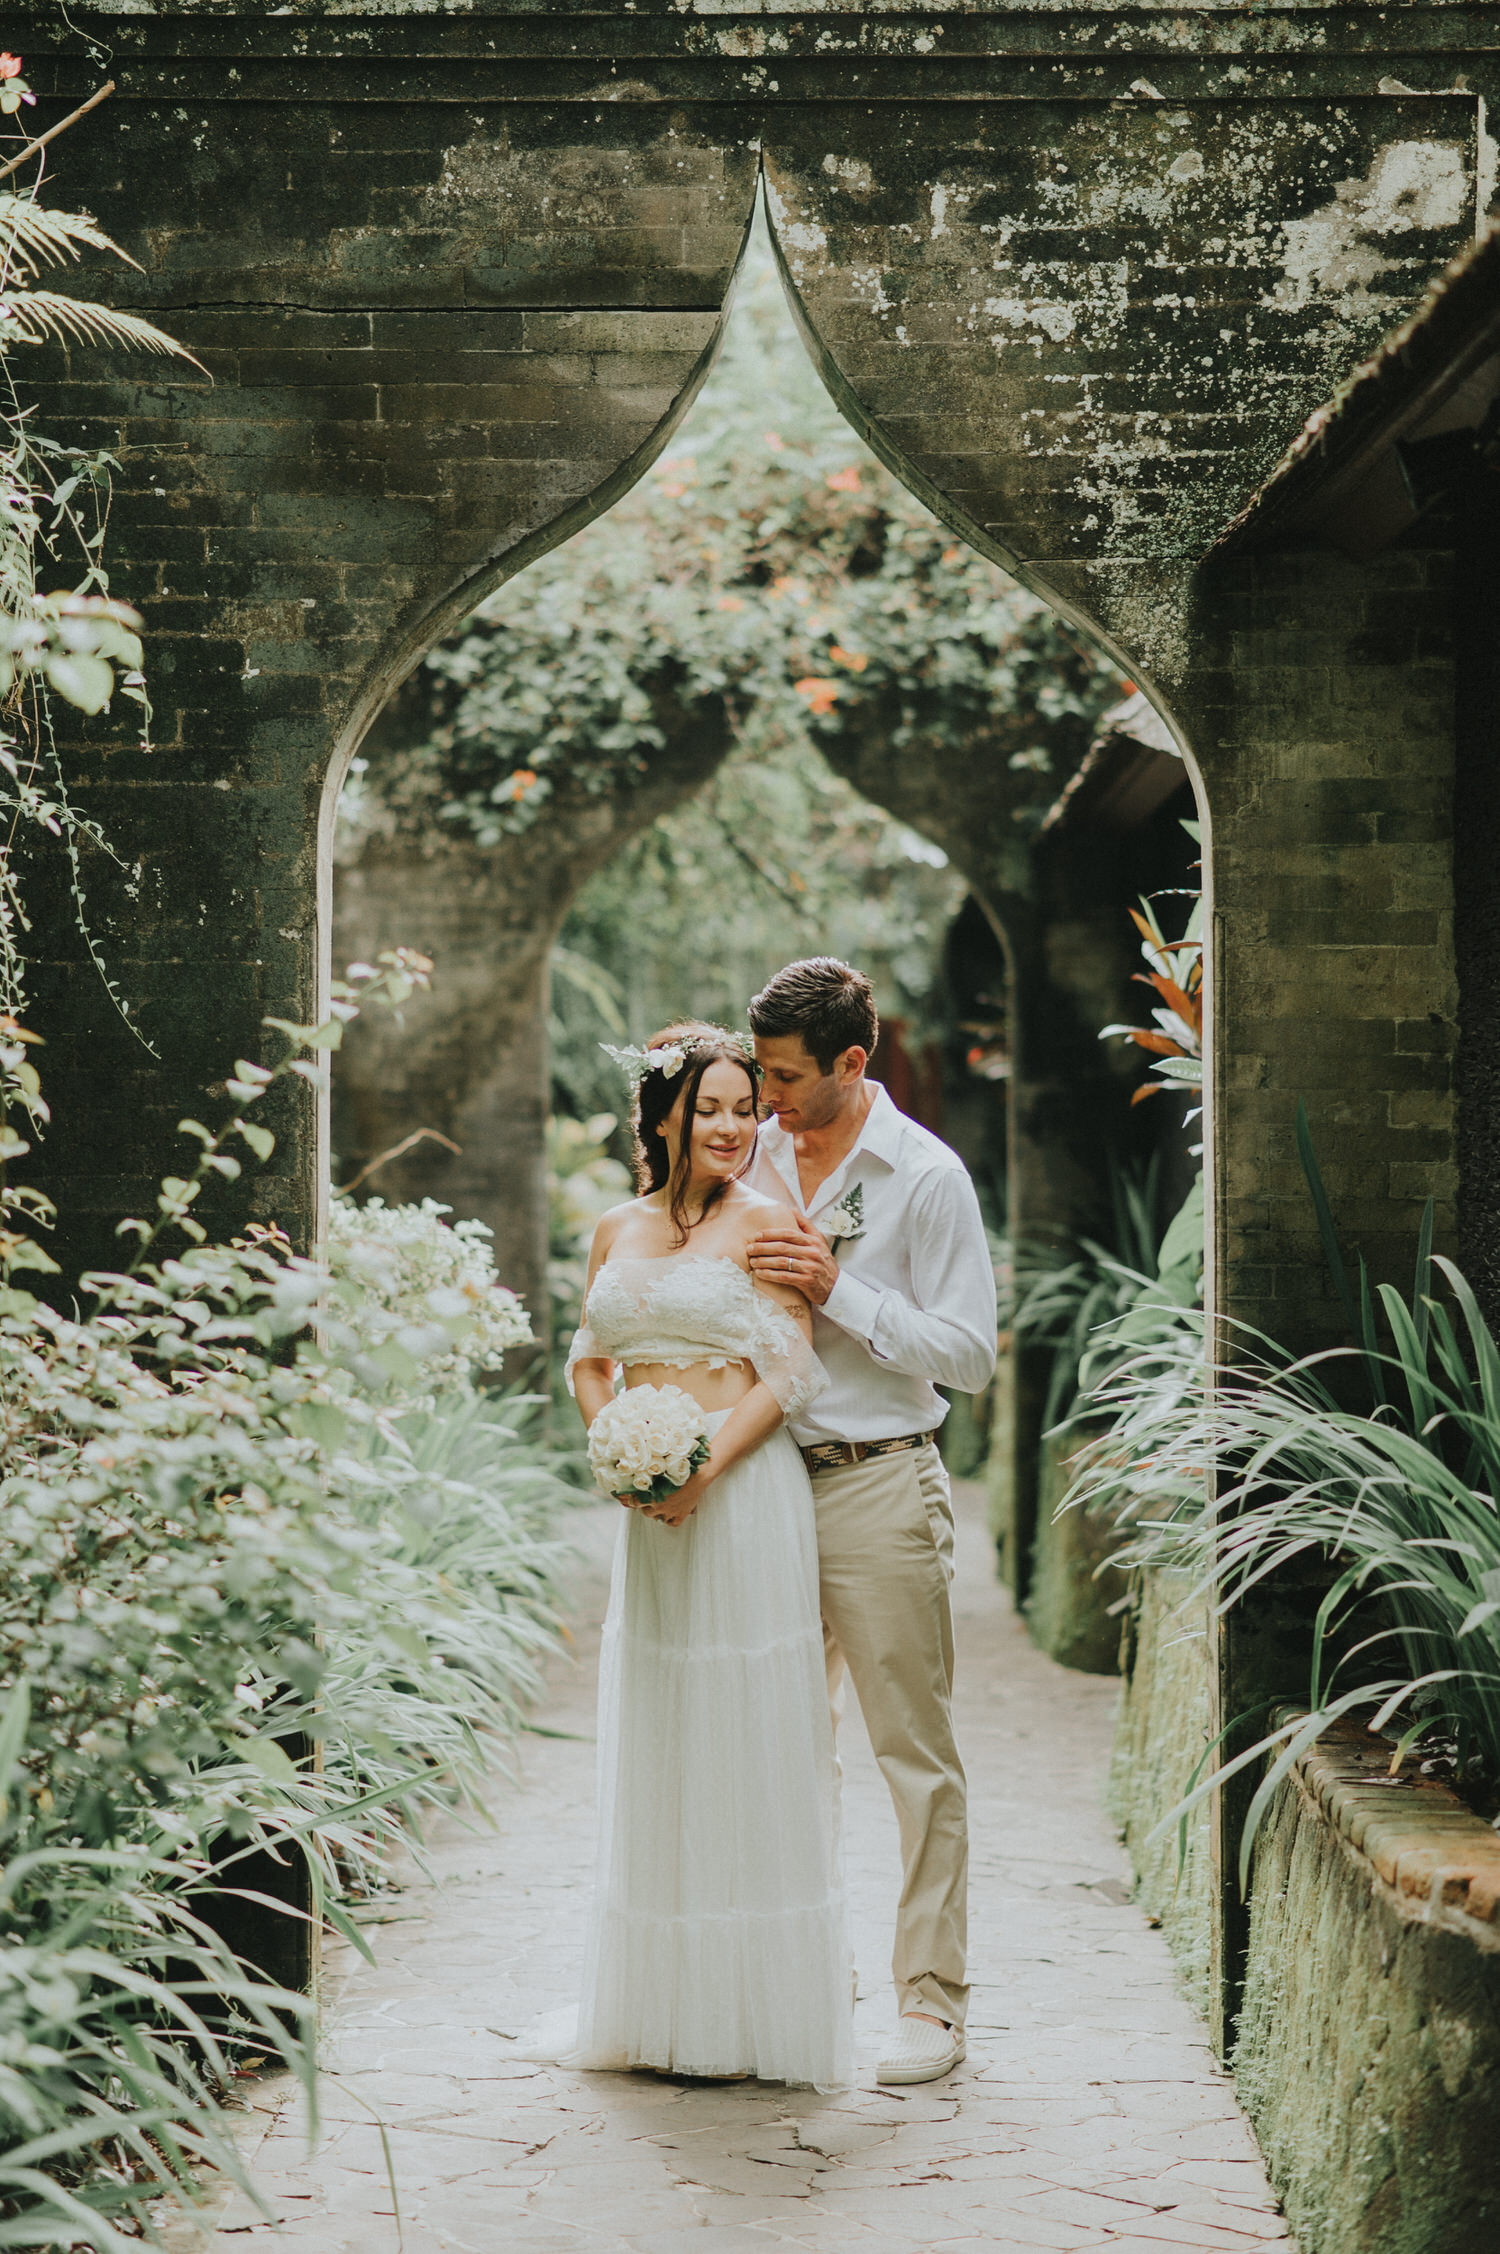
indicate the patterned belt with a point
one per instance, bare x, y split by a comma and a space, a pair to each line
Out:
829, 1455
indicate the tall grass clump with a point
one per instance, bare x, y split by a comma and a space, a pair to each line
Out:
1374, 1466
1089, 1304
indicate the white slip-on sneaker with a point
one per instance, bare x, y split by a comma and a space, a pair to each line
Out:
922, 2052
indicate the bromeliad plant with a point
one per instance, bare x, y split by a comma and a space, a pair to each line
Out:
1174, 973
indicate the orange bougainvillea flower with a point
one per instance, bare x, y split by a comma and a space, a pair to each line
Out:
844, 481
521, 782
776, 442
856, 660
10, 66
821, 695
730, 602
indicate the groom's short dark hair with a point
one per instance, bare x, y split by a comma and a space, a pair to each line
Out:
826, 1003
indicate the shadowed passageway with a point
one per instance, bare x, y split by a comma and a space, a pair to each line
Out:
1090, 2112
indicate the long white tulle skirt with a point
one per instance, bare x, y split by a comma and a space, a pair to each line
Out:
717, 1943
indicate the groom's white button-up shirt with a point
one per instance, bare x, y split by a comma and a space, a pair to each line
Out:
914, 1305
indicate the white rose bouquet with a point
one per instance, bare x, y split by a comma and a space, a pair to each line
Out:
647, 1442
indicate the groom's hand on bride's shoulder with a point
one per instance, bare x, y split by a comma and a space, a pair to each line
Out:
794, 1252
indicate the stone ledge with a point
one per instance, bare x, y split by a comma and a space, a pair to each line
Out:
1430, 1855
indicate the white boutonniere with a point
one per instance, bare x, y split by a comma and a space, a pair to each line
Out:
846, 1220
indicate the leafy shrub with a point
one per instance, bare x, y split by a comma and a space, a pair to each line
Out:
1393, 1504
233, 1536
403, 1276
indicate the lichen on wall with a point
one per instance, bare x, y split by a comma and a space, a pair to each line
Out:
1368, 2056
1161, 1740
1113, 314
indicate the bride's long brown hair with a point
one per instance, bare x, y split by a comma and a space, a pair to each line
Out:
704, 1045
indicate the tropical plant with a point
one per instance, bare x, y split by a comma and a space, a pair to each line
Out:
122, 2013
1393, 1505
466, 1497
1109, 1297
1174, 973
32, 235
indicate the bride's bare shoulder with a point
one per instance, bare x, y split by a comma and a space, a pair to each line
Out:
751, 1212
614, 1219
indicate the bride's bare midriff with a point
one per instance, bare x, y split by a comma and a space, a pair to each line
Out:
712, 1389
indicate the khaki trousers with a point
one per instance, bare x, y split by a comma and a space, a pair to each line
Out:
885, 1565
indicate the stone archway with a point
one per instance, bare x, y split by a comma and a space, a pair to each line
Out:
471, 1061
455, 273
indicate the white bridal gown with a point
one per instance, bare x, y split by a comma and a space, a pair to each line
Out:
717, 1943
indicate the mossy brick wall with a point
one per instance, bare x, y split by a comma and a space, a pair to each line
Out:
454, 270
428, 354
1163, 1732
1073, 1590
1328, 736
1369, 2046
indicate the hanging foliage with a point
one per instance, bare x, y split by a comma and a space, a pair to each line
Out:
70, 641
769, 566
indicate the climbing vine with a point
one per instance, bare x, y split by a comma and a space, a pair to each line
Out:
63, 638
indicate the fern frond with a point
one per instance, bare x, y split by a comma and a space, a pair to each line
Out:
36, 316
32, 235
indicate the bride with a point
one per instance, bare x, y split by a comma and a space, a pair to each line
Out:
717, 1945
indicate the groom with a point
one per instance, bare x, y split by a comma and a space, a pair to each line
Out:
886, 1241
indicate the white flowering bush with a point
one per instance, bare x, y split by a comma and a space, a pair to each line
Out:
255, 1507
416, 1301
648, 1441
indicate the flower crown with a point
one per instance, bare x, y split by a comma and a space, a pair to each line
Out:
667, 1058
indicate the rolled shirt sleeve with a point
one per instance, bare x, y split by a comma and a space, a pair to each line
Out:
950, 1268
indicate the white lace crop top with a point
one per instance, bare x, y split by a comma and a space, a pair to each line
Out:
687, 1308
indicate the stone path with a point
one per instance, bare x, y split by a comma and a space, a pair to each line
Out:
1090, 2112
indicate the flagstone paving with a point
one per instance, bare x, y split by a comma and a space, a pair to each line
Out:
1090, 2112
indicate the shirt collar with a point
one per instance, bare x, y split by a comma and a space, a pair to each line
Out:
879, 1137
882, 1130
